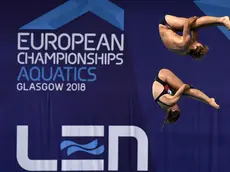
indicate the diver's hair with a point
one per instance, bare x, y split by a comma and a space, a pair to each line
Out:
199, 52
172, 116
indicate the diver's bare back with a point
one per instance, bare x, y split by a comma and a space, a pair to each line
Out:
171, 40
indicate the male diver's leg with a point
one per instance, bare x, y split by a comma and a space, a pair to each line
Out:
204, 21
175, 22
199, 95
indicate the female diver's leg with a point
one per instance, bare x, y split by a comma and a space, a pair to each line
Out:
169, 77
199, 95
204, 21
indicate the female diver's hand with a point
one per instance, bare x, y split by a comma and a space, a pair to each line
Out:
187, 87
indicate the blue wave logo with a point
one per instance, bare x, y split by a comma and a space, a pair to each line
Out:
73, 9
90, 148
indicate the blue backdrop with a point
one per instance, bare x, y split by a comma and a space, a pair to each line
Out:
199, 141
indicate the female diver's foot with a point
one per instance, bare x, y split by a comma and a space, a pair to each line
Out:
226, 22
213, 103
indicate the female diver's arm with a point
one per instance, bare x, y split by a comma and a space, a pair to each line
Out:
171, 100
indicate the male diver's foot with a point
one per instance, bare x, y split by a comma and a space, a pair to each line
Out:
226, 22
213, 103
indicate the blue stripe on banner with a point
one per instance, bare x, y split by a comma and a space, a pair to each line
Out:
216, 8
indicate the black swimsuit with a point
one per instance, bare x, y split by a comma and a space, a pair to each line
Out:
167, 90
164, 22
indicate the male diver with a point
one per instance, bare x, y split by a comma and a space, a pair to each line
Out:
188, 43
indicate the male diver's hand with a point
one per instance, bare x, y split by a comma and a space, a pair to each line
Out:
192, 20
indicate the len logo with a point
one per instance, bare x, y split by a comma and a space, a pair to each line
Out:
115, 132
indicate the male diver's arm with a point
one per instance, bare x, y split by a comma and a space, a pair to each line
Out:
171, 100
194, 35
186, 34
186, 38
